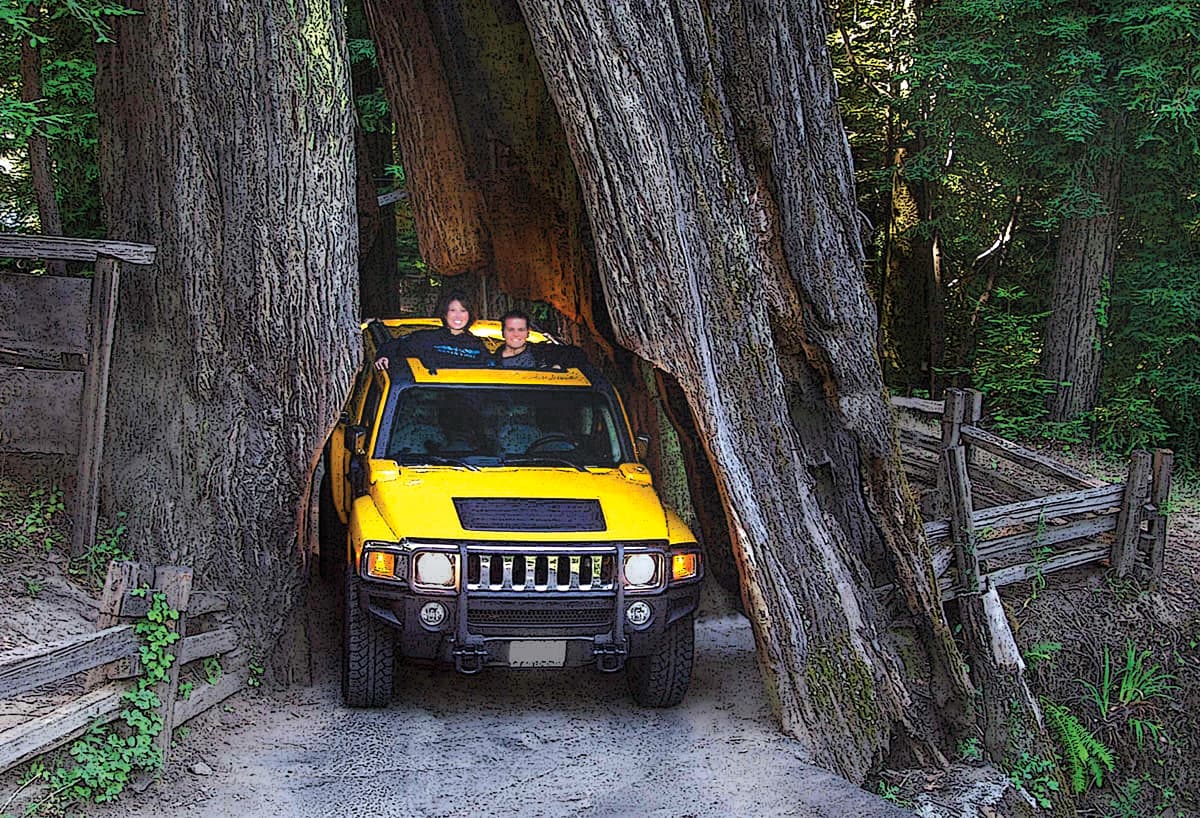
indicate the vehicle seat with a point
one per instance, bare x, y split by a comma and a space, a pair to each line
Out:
517, 432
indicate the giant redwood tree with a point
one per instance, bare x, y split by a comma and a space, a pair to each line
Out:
227, 142
696, 165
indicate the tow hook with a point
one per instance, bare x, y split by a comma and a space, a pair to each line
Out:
610, 656
470, 659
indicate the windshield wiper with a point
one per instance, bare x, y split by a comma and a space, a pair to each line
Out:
433, 460
531, 460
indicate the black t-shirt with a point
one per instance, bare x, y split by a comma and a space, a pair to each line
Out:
526, 360
438, 348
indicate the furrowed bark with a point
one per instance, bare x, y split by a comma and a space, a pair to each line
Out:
728, 247
234, 350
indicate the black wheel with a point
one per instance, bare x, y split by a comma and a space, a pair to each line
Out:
367, 649
331, 533
661, 679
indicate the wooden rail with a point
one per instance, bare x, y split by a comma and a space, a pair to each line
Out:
974, 549
56, 336
110, 658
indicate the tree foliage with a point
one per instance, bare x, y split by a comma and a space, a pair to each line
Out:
1005, 111
63, 32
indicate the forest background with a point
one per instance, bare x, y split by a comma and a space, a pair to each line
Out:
1030, 199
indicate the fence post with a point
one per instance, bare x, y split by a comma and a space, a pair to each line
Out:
1160, 492
962, 526
176, 583
1129, 521
952, 418
94, 409
122, 578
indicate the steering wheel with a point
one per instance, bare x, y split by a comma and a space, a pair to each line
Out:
554, 437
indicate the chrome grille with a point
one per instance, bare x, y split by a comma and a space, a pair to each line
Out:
540, 572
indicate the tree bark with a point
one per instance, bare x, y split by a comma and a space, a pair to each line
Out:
234, 351
41, 170
1083, 267
717, 181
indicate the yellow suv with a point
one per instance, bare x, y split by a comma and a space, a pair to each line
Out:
500, 517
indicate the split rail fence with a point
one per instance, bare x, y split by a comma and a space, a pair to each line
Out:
982, 537
109, 657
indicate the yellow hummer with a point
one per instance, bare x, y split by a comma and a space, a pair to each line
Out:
492, 516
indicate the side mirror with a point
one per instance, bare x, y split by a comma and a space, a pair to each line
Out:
356, 439
641, 445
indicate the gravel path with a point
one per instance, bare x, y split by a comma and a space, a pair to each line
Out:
505, 743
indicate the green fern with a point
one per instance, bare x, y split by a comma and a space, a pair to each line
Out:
1085, 755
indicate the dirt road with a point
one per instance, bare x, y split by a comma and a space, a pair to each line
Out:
505, 743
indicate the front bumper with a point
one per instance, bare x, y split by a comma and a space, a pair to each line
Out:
480, 629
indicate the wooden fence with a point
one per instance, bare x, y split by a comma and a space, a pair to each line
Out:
1077, 521
109, 657
55, 340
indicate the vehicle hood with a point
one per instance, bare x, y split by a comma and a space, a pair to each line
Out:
419, 502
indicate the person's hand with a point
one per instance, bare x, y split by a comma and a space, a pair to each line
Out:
381, 363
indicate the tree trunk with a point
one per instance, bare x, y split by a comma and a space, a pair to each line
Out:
717, 181
1083, 266
234, 351
40, 169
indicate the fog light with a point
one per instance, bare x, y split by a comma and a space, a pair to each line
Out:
638, 613
434, 569
433, 614
639, 569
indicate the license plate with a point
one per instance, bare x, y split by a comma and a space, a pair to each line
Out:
540, 653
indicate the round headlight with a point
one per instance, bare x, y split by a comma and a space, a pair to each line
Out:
434, 569
639, 569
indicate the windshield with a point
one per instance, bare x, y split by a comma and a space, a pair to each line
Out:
496, 427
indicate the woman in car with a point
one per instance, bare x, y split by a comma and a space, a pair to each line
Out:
451, 346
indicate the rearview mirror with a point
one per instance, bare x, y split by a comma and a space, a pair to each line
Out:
641, 445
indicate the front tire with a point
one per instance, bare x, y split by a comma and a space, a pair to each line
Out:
368, 647
662, 678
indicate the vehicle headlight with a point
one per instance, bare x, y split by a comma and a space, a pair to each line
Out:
641, 570
378, 563
433, 569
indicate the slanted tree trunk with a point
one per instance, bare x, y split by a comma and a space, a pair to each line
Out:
40, 169
718, 184
227, 142
1083, 267
492, 183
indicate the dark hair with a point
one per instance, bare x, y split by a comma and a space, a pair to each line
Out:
443, 306
515, 314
